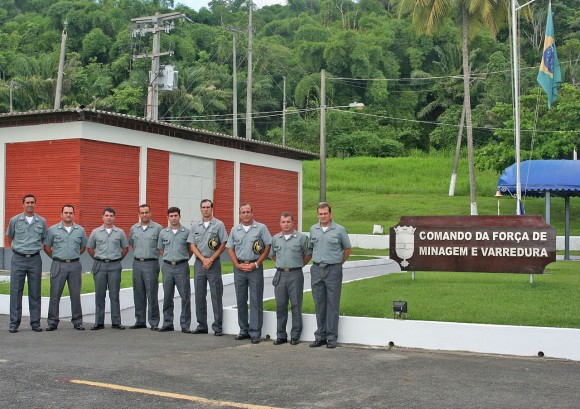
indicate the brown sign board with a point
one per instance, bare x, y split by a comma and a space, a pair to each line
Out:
501, 244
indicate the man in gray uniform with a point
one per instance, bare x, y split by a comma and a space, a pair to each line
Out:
25, 234
330, 248
64, 243
143, 237
291, 252
172, 245
248, 246
108, 245
207, 240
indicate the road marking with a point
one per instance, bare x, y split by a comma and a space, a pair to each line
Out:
190, 398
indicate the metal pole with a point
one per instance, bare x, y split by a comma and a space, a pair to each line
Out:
516, 85
548, 204
249, 85
567, 228
11, 91
457, 152
58, 92
323, 135
235, 90
284, 115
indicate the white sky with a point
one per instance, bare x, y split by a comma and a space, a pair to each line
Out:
197, 4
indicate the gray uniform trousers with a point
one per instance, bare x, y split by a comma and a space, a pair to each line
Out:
176, 276
216, 288
145, 290
326, 288
108, 275
70, 272
21, 268
254, 281
289, 288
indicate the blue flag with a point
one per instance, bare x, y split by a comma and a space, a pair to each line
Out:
550, 76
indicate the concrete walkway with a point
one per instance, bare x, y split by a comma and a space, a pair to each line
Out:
352, 271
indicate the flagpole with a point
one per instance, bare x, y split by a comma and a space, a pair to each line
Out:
516, 85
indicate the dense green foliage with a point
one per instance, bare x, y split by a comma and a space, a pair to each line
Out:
411, 84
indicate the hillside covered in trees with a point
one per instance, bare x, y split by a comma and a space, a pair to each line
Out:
411, 84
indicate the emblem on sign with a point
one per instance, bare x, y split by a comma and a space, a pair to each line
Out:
405, 243
213, 243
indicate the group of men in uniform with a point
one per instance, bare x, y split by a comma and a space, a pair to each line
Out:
169, 249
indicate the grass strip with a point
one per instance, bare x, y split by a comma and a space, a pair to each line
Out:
553, 300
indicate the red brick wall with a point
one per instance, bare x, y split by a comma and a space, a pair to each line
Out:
223, 195
158, 184
109, 178
50, 170
270, 192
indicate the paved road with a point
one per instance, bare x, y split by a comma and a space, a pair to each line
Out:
203, 371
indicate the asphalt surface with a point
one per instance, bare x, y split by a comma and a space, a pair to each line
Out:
146, 369
38, 370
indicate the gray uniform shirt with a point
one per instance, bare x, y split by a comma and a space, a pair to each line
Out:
26, 238
249, 245
208, 240
65, 245
290, 253
328, 246
107, 246
174, 245
144, 241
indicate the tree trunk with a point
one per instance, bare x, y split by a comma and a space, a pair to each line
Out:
467, 105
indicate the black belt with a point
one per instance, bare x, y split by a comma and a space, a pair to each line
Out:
145, 259
174, 263
324, 264
287, 270
26, 255
246, 261
70, 260
108, 260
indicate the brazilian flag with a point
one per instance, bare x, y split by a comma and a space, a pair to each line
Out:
550, 76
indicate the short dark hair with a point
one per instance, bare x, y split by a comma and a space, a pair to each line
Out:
206, 200
246, 204
173, 209
323, 205
110, 210
287, 214
28, 195
144, 205
67, 205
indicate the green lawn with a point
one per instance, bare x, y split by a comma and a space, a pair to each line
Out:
368, 191
552, 301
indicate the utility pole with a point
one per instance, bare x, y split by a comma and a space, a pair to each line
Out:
249, 85
323, 135
284, 115
154, 24
58, 92
235, 82
13, 86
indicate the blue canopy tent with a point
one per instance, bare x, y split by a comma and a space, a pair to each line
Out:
545, 178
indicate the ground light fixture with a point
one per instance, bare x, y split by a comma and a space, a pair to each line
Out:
400, 309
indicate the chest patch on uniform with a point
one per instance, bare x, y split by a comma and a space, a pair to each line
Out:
213, 243
258, 246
